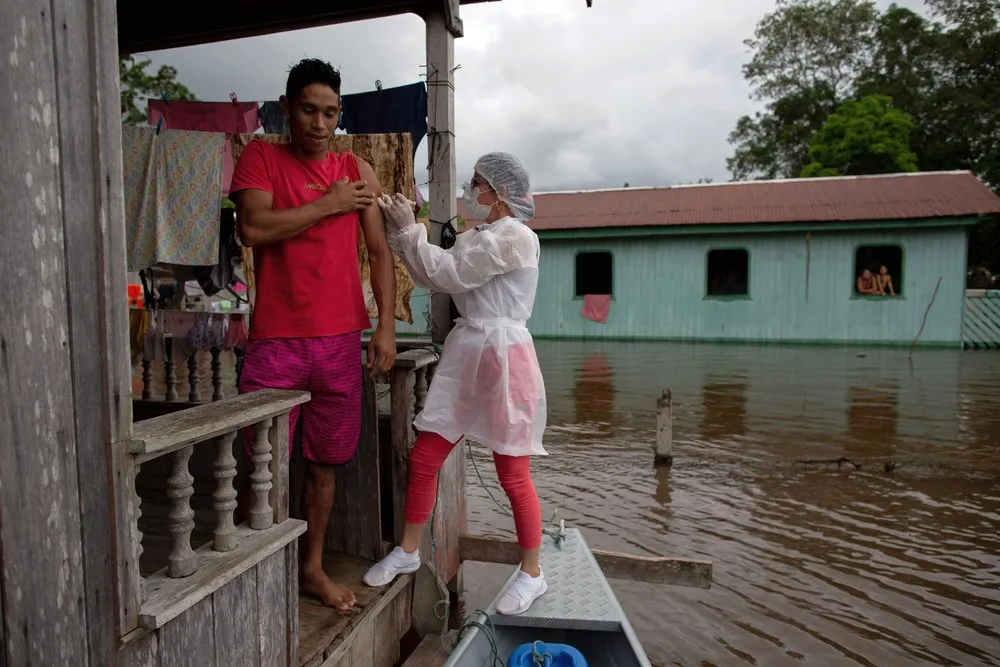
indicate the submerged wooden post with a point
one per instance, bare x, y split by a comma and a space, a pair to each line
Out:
664, 447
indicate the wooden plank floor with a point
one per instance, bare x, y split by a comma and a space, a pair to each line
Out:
322, 630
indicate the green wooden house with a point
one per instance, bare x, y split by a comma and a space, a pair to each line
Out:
764, 261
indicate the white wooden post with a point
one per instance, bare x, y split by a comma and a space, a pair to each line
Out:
664, 446
443, 26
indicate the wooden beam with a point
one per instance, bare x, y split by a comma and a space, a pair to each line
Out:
443, 174
647, 569
189, 22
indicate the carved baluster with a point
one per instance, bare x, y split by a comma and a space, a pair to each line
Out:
171, 371
261, 516
135, 502
216, 374
224, 497
193, 394
180, 488
419, 390
147, 379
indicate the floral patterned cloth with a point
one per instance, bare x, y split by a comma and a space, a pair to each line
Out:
172, 196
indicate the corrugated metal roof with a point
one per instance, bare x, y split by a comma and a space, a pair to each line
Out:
859, 198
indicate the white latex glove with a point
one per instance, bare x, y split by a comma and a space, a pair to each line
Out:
398, 211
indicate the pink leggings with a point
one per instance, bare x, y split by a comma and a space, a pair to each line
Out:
426, 459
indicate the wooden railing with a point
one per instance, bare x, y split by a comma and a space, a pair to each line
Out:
195, 394
192, 575
408, 383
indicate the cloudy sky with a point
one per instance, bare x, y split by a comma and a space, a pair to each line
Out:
637, 91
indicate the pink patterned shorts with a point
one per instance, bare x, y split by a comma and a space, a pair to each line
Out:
330, 368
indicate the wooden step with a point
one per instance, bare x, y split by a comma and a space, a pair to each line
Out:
430, 652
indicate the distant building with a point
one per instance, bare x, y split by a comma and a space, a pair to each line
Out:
765, 261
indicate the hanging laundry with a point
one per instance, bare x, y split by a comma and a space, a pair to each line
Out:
209, 331
153, 345
172, 196
225, 117
596, 307
273, 118
386, 111
236, 334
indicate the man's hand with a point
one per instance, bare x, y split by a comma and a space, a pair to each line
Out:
382, 350
343, 197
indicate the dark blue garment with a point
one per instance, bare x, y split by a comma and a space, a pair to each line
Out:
386, 111
400, 109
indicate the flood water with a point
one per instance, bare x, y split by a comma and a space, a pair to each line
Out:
821, 557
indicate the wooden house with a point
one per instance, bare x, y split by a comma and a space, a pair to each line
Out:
766, 261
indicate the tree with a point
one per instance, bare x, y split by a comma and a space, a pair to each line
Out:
809, 56
941, 69
866, 136
806, 56
137, 83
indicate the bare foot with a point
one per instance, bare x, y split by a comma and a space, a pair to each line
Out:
332, 595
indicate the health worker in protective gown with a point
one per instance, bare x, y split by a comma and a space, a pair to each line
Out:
488, 386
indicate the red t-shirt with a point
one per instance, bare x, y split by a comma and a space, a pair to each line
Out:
309, 285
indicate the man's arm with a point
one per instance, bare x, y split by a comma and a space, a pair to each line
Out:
260, 224
383, 272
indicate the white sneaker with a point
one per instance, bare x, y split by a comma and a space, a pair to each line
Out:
524, 590
397, 562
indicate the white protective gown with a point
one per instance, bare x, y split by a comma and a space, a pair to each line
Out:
488, 386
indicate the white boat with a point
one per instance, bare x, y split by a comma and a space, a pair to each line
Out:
578, 610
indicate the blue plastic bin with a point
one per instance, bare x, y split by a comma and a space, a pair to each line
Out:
562, 655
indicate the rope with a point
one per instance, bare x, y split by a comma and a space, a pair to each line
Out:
489, 631
538, 659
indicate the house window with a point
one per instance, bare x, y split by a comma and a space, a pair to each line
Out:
728, 272
878, 270
593, 273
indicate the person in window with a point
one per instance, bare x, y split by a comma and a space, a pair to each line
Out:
885, 281
868, 284
488, 386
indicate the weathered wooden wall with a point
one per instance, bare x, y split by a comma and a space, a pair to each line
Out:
253, 621
63, 390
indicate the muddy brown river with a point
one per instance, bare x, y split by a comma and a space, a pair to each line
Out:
821, 557
849, 498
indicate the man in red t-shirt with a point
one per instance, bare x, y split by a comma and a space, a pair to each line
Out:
299, 207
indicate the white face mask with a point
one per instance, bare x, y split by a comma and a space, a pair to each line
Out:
473, 209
